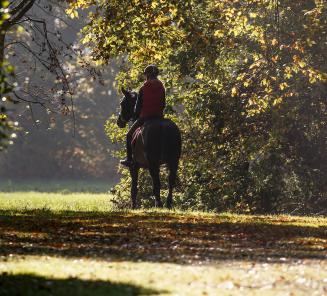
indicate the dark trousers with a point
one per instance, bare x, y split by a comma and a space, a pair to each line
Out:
139, 122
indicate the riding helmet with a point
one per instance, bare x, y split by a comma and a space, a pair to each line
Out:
151, 70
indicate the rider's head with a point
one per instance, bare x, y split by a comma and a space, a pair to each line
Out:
151, 72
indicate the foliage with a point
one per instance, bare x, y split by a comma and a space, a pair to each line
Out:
6, 125
246, 83
69, 147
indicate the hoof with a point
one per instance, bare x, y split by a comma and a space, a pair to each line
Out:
158, 204
169, 206
169, 202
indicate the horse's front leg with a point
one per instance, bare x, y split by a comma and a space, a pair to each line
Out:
134, 171
155, 175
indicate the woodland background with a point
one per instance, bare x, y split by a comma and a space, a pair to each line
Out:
47, 146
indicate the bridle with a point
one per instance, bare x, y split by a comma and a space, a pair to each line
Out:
122, 119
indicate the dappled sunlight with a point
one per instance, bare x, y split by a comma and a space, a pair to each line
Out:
159, 237
86, 276
144, 252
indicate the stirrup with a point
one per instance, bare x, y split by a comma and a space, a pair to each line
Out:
126, 162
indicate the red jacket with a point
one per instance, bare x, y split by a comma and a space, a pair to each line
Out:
153, 98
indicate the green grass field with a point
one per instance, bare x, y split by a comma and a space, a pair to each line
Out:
56, 186
76, 244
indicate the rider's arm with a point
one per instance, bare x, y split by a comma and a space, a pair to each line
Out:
138, 105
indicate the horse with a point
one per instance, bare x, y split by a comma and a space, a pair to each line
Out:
159, 142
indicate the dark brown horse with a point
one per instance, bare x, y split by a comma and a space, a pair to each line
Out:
158, 143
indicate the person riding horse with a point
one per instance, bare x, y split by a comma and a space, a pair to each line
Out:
150, 104
158, 140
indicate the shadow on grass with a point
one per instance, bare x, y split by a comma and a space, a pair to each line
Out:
32, 285
157, 237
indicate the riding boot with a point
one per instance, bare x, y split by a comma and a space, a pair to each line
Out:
128, 161
129, 137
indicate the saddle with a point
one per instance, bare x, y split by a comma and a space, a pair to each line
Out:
139, 139
138, 132
138, 147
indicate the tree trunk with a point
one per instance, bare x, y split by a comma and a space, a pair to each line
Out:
2, 47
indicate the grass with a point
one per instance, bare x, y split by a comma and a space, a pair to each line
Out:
55, 202
77, 244
55, 186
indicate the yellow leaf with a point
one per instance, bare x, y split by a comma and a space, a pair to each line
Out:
283, 85
302, 64
296, 59
20, 29
274, 41
234, 91
73, 13
219, 33
277, 101
265, 82
199, 76
275, 58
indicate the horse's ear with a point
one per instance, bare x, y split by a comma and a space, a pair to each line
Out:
124, 91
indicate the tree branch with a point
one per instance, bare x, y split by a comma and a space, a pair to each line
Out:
57, 17
14, 10
35, 55
18, 12
27, 101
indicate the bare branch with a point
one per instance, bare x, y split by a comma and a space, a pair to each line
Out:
26, 100
32, 114
19, 12
35, 55
57, 17
53, 54
73, 115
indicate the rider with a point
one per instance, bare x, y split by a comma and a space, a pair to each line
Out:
150, 104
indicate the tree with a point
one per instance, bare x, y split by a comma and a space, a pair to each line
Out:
27, 39
246, 84
15, 15
6, 125
44, 133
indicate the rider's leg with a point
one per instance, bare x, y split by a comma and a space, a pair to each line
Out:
129, 138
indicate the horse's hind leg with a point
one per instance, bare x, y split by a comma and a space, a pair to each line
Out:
171, 183
134, 171
155, 175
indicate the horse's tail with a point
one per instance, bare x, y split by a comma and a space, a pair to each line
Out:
171, 142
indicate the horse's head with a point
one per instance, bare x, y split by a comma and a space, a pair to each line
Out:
127, 105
